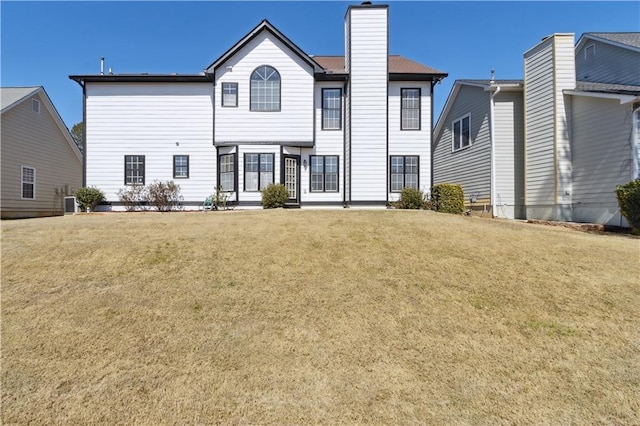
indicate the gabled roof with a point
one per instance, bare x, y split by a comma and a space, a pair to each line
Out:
629, 40
13, 96
397, 65
513, 85
263, 26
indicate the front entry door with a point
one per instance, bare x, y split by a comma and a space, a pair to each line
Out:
291, 179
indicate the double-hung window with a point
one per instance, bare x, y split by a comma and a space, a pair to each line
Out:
229, 94
404, 172
134, 169
324, 173
28, 182
410, 109
258, 171
461, 133
227, 167
331, 109
265, 89
181, 166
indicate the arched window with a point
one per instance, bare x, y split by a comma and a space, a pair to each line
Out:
265, 89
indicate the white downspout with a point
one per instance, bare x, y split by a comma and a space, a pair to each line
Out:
493, 90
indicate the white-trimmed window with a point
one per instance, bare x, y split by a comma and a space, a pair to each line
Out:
410, 106
35, 106
461, 133
181, 166
265, 89
324, 173
331, 109
227, 172
404, 172
258, 171
134, 169
28, 183
229, 94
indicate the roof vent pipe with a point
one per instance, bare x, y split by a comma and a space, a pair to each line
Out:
110, 71
102, 65
493, 76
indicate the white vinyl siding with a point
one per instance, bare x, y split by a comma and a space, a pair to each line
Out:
549, 69
368, 63
602, 157
509, 154
609, 64
38, 141
471, 167
157, 120
293, 122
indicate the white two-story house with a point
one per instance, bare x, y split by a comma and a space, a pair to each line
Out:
335, 130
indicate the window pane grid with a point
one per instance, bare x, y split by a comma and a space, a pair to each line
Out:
134, 170
227, 172
265, 89
404, 172
331, 109
410, 109
324, 173
28, 183
461, 133
258, 171
181, 166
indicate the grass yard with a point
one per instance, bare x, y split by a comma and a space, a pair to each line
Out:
332, 317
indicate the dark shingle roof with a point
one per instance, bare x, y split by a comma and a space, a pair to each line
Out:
630, 39
397, 65
621, 89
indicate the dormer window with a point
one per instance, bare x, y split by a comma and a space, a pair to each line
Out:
265, 89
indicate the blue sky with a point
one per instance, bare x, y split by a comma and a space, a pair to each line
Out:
44, 42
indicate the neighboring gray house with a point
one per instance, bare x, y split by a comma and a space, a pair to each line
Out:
579, 115
40, 161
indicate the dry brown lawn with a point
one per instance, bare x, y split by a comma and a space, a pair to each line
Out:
331, 317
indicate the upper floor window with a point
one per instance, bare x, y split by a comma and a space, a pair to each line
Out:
229, 94
28, 181
461, 133
180, 166
410, 109
258, 171
35, 106
134, 169
331, 109
265, 89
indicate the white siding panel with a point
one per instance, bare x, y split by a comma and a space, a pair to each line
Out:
369, 74
411, 142
157, 120
565, 79
470, 167
293, 123
602, 157
609, 64
509, 152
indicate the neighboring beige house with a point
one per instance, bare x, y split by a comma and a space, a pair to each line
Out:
41, 164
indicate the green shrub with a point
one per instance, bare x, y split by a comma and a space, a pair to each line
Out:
447, 198
411, 198
164, 196
629, 203
89, 197
133, 197
274, 196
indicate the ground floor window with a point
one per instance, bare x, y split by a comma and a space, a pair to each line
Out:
404, 172
28, 180
258, 171
227, 171
324, 173
134, 169
181, 166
